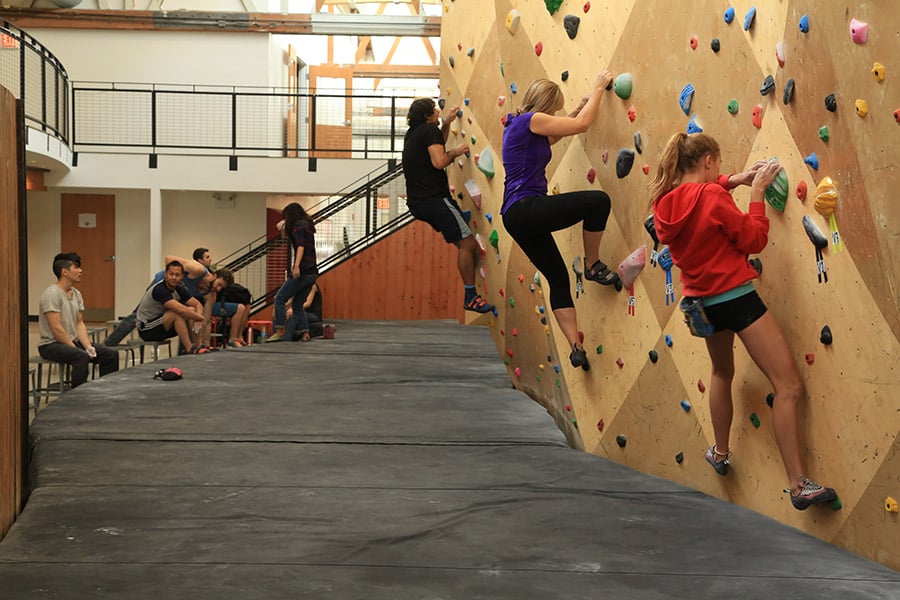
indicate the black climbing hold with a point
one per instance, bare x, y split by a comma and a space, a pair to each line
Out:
756, 264
460, 195
768, 85
825, 337
714, 44
564, 75
650, 226
814, 234
654, 356
638, 144
442, 102
831, 102
789, 91
621, 440
452, 61
609, 86
543, 320
770, 399
624, 162
571, 23
679, 457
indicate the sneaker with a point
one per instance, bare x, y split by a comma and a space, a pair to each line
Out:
236, 343
479, 305
275, 337
578, 358
721, 466
812, 493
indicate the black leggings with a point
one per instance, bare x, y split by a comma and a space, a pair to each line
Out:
532, 220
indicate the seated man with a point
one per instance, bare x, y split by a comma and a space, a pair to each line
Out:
64, 336
313, 308
168, 309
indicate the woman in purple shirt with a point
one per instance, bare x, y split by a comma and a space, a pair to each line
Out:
530, 215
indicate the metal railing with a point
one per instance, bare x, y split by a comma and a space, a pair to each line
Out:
34, 75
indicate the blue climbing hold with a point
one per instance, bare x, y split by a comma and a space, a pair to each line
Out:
749, 17
686, 405
489, 217
556, 368
459, 114
668, 340
812, 160
513, 87
693, 126
687, 96
729, 15
466, 101
804, 24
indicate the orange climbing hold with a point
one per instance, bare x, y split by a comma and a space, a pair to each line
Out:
756, 117
694, 41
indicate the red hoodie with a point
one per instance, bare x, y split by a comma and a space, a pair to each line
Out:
709, 236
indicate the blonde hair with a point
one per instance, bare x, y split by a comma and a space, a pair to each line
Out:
682, 153
542, 95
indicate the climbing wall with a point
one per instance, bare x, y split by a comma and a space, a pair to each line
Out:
644, 401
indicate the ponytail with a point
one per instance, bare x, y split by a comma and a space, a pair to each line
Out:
681, 154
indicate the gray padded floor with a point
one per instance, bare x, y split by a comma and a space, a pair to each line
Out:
394, 461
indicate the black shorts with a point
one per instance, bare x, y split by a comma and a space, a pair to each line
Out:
157, 334
444, 215
737, 314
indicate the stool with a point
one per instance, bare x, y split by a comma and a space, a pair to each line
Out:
139, 343
264, 325
94, 334
41, 391
32, 391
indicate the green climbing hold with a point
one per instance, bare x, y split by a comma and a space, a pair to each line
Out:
622, 86
755, 420
538, 378
733, 106
502, 72
494, 238
600, 349
575, 423
777, 192
506, 361
557, 383
553, 5
823, 133
486, 163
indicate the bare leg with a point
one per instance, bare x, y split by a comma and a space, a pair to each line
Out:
170, 320
466, 259
769, 350
238, 322
568, 322
720, 346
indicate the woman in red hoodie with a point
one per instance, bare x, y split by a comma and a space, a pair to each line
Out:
709, 238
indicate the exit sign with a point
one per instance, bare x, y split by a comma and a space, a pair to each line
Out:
8, 41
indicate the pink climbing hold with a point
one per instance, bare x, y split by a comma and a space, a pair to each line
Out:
779, 53
632, 113
694, 41
605, 156
757, 116
801, 190
459, 46
701, 386
518, 372
591, 174
859, 31
539, 48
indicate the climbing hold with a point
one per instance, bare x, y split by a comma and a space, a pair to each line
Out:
502, 71
831, 103
624, 162
897, 115
570, 24
777, 192
686, 405
825, 336
878, 72
810, 358
693, 42
801, 190
509, 352
518, 372
654, 356
779, 53
501, 100
623, 85
862, 109
514, 331
646, 169
470, 52
539, 48
442, 102
621, 440
788, 91
715, 45
890, 505
756, 116
556, 368
452, 61
638, 143
767, 86
501, 291
513, 87
823, 133
564, 75
474, 192
555, 190
812, 160
693, 126
669, 341
553, 5
600, 349
600, 425
701, 386
459, 114
733, 106
628, 271
587, 6
859, 31
521, 277
679, 458
685, 99
472, 140
632, 113
770, 399
489, 217
729, 15
820, 242
620, 362
754, 419
757, 265
591, 175
459, 46
512, 21
749, 18
486, 162
605, 156
804, 24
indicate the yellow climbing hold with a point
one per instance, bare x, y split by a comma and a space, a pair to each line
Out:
878, 72
862, 109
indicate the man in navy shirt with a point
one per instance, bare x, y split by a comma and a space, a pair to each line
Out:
168, 309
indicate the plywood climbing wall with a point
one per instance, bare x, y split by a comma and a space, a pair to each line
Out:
851, 409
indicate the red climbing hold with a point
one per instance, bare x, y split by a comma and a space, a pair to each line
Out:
620, 362
632, 113
538, 48
515, 332
810, 358
701, 386
591, 174
569, 407
502, 292
521, 278
587, 6
600, 425
646, 169
694, 42
897, 115
509, 353
801, 190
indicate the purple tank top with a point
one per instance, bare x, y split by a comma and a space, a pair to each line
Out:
525, 158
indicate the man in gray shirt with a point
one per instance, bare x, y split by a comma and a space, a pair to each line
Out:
64, 336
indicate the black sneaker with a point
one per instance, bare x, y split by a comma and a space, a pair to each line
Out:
479, 305
721, 466
578, 358
812, 493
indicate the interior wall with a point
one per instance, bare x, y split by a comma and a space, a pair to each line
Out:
850, 414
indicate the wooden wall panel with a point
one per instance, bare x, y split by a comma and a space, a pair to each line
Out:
13, 390
409, 275
851, 410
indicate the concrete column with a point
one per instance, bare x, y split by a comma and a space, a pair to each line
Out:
156, 252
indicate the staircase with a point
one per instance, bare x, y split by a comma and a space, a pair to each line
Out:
347, 222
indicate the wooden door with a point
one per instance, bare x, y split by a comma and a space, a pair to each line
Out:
332, 87
89, 228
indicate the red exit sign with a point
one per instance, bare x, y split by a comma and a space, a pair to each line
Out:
8, 41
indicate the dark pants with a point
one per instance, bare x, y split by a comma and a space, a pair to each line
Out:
78, 358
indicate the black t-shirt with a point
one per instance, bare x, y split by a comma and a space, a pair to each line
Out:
422, 179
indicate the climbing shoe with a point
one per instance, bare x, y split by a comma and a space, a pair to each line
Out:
721, 466
811, 493
578, 358
479, 305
